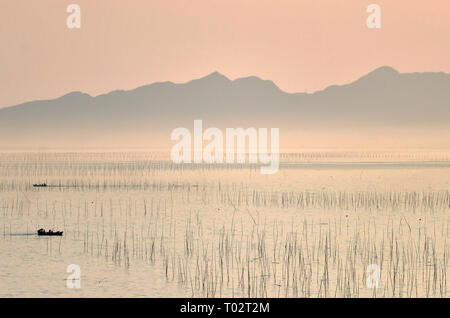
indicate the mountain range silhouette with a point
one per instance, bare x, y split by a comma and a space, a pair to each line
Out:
381, 100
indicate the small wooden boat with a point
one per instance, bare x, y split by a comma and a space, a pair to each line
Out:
40, 185
41, 232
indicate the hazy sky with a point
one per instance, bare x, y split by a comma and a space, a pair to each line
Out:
300, 45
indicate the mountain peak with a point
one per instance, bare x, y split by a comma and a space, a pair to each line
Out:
383, 71
75, 94
215, 76
379, 74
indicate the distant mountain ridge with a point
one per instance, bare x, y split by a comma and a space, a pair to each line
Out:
383, 99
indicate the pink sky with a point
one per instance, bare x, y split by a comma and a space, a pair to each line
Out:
300, 45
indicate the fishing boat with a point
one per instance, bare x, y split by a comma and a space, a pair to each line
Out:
40, 185
41, 232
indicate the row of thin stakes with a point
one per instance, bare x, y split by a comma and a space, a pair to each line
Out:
407, 201
300, 259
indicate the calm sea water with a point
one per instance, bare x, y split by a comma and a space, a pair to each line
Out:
139, 226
